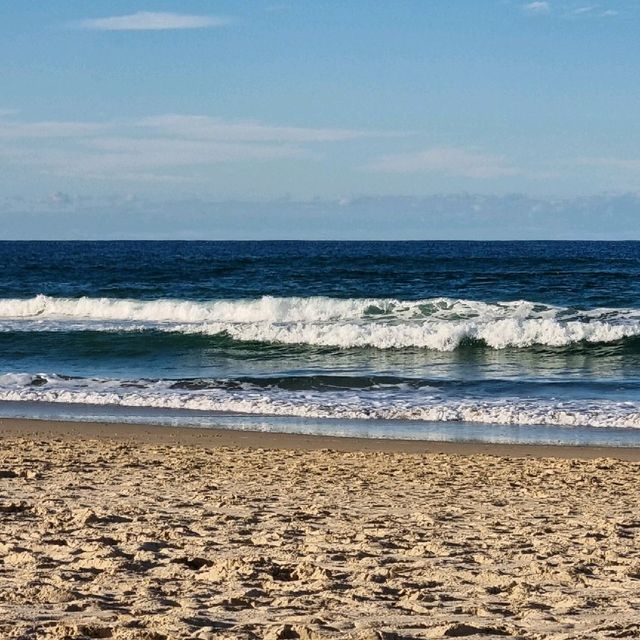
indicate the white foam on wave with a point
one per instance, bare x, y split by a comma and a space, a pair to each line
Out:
438, 323
364, 405
264, 309
441, 336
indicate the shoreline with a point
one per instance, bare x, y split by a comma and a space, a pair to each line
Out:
214, 437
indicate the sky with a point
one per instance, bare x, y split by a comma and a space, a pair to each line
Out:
335, 119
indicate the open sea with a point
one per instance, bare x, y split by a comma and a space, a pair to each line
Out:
493, 341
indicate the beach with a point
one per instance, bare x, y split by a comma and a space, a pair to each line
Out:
151, 532
320, 321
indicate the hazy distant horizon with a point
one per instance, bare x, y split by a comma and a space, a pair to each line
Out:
439, 217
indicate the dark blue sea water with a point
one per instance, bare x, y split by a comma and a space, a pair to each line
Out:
534, 341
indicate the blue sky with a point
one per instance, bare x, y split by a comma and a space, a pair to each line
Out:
166, 103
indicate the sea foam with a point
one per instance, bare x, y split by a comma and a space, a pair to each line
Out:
374, 405
440, 323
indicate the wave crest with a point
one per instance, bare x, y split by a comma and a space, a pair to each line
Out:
441, 324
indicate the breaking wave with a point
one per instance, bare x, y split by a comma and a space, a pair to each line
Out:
441, 324
391, 403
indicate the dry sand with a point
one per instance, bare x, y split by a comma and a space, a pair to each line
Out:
152, 534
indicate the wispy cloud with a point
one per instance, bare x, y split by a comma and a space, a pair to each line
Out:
590, 11
579, 11
565, 9
449, 160
12, 129
625, 164
537, 8
205, 127
151, 21
155, 146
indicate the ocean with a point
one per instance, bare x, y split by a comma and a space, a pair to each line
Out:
489, 341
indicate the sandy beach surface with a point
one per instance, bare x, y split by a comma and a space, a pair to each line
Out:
156, 533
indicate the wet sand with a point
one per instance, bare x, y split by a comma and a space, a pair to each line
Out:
159, 533
221, 437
